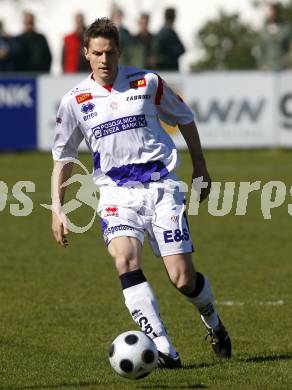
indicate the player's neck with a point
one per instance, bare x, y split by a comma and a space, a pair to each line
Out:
104, 82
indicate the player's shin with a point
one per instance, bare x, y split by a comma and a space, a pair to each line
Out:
143, 307
202, 298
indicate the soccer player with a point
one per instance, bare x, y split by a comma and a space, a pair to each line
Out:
116, 109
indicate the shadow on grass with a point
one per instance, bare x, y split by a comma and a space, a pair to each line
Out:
267, 358
200, 365
85, 384
53, 386
157, 386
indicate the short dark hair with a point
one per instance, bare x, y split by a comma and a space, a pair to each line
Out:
169, 15
278, 9
144, 15
102, 27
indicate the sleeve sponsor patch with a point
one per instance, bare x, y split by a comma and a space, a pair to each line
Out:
118, 125
83, 97
138, 83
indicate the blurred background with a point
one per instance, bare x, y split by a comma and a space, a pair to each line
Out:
230, 60
55, 18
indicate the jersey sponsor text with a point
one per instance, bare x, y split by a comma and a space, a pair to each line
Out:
137, 97
118, 125
83, 97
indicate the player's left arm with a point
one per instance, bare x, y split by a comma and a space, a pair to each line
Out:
190, 133
172, 109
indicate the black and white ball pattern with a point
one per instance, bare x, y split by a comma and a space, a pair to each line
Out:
133, 355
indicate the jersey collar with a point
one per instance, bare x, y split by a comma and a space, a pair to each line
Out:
105, 88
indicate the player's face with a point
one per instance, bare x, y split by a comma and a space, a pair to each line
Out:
103, 56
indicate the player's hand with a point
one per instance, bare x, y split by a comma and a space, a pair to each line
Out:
59, 228
200, 170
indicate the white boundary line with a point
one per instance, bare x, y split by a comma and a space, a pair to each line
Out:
278, 302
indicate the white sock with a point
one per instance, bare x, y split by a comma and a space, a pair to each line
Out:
143, 307
204, 302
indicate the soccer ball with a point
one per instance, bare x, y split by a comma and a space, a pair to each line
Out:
133, 355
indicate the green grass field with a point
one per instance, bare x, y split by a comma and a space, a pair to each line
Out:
61, 308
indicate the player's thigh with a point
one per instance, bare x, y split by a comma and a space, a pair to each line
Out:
126, 252
169, 232
181, 270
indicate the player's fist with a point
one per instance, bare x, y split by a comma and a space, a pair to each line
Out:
59, 227
200, 172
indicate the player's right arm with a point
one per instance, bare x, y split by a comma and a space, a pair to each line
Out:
61, 173
65, 150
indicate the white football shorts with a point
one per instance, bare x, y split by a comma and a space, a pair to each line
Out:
157, 208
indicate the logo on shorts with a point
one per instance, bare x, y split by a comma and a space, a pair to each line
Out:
176, 235
117, 228
111, 211
174, 218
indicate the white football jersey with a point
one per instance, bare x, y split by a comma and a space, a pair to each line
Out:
121, 127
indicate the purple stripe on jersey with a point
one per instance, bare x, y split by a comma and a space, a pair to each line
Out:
141, 173
96, 160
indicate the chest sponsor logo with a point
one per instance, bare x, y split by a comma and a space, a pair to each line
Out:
137, 97
83, 97
138, 83
89, 116
87, 109
114, 105
118, 125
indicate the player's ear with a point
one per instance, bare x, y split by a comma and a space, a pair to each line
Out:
86, 54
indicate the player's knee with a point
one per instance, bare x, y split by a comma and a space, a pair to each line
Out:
126, 263
183, 281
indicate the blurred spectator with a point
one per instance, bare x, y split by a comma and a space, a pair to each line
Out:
274, 50
35, 55
10, 51
126, 38
5, 51
142, 45
168, 47
73, 59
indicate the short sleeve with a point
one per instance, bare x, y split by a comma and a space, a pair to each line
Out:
68, 136
170, 107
